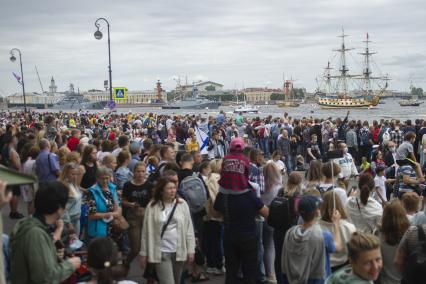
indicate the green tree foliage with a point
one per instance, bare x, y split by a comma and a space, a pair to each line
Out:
417, 92
277, 97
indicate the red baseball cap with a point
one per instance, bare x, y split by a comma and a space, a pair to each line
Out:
237, 144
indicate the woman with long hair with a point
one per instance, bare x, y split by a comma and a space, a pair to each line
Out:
136, 196
363, 210
273, 183
330, 203
394, 225
168, 239
69, 177
88, 166
313, 175
213, 223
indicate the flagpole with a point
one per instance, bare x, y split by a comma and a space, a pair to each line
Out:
13, 58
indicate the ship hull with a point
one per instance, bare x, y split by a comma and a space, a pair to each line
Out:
211, 105
333, 103
84, 105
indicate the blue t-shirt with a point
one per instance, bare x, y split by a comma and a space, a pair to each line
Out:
239, 211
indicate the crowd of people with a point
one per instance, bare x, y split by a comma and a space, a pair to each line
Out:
258, 200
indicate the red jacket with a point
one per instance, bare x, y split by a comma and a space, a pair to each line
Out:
73, 143
235, 172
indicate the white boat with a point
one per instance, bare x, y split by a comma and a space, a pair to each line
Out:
246, 109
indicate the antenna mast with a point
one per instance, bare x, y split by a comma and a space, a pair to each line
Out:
41, 85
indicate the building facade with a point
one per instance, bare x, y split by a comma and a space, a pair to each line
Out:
132, 97
259, 95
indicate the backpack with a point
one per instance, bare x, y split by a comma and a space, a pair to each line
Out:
283, 212
193, 191
386, 136
415, 263
154, 176
364, 136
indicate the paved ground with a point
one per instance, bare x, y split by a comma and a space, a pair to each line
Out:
135, 272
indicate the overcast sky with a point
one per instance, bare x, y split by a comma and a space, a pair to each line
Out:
233, 42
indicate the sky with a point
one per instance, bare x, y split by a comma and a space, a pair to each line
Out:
238, 43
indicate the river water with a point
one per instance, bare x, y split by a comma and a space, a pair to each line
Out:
390, 109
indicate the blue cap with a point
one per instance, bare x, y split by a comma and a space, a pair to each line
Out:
309, 204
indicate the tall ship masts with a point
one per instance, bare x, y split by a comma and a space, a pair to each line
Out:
340, 95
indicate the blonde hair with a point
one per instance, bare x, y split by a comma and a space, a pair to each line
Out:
328, 205
63, 153
63, 176
108, 159
73, 157
216, 166
294, 183
361, 242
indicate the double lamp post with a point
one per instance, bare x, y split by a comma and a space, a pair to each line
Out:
98, 35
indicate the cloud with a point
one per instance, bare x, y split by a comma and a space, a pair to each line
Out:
242, 42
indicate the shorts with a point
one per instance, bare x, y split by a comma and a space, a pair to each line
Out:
28, 192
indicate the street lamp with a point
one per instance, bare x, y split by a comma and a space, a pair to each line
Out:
98, 36
13, 59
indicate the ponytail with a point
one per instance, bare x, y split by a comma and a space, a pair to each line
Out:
366, 185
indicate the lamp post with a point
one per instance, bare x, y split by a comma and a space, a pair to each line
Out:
13, 59
98, 35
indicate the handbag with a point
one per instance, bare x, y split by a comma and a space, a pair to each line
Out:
120, 224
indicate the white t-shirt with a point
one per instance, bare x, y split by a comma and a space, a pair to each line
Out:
280, 164
379, 182
170, 237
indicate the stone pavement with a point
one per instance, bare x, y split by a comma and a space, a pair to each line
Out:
135, 271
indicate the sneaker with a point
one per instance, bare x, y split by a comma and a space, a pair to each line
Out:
221, 271
210, 270
16, 215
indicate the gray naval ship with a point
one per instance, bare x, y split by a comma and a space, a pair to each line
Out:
192, 102
73, 100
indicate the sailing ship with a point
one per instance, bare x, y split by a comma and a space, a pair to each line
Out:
337, 93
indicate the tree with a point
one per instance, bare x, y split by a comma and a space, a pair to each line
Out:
416, 92
277, 97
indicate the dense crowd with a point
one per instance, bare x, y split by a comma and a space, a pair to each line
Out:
258, 200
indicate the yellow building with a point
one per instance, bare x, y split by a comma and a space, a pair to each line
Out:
133, 97
259, 95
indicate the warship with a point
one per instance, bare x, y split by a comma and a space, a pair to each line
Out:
193, 101
73, 100
336, 93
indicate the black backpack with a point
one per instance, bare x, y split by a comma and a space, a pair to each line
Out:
415, 264
282, 212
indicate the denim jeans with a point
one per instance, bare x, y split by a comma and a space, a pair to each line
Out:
240, 251
261, 267
278, 242
288, 165
264, 146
